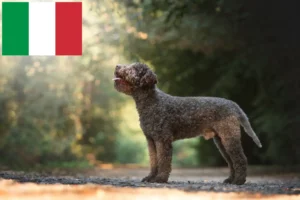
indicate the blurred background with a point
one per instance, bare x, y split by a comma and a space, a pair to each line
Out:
64, 112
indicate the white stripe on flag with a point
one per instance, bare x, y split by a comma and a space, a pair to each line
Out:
42, 28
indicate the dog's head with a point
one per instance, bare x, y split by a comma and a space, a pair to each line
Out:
129, 78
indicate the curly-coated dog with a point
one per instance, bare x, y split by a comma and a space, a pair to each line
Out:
165, 118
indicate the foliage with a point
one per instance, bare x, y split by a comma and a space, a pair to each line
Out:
62, 109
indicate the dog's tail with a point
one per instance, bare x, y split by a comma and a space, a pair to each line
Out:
247, 127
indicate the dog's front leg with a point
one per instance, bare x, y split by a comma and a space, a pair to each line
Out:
153, 161
164, 159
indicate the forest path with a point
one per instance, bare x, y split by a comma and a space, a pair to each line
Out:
124, 183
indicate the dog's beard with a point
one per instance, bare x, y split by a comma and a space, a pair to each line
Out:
122, 85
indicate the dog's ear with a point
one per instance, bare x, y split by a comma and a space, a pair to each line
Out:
149, 79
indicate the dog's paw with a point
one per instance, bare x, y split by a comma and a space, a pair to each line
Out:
148, 178
240, 181
228, 180
160, 179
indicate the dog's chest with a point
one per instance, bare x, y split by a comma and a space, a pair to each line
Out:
152, 122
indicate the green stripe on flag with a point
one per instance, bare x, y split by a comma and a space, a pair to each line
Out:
15, 28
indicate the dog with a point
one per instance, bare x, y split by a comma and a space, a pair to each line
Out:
165, 119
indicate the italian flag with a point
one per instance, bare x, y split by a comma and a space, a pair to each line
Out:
42, 28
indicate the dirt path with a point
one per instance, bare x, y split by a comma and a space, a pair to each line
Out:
125, 184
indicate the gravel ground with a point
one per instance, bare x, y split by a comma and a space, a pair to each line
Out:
188, 180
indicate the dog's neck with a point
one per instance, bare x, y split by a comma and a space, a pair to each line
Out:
146, 97
141, 95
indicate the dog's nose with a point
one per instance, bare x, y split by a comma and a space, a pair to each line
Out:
118, 66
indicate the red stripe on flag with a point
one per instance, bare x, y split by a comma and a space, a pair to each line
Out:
68, 28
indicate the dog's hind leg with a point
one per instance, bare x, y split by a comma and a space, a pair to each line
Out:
234, 148
229, 133
227, 158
